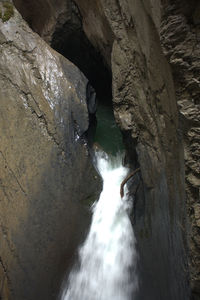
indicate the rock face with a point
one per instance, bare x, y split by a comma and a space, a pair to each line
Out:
43, 160
60, 24
44, 16
180, 35
152, 50
146, 110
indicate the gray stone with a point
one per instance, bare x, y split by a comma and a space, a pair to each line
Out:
152, 48
146, 110
180, 36
47, 179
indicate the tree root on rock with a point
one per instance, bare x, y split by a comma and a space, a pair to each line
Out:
125, 181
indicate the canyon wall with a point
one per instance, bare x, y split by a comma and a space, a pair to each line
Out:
145, 92
146, 110
151, 47
180, 37
44, 206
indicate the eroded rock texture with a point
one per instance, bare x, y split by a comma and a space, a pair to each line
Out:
180, 34
152, 49
60, 24
43, 160
44, 16
146, 110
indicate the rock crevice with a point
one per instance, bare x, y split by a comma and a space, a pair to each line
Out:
152, 50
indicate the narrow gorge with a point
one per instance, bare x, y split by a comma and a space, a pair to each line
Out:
81, 82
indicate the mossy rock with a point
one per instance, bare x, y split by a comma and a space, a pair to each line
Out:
7, 11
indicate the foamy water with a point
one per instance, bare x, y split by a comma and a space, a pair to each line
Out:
108, 256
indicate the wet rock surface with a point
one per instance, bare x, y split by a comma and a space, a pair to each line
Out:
46, 174
146, 111
152, 49
180, 35
60, 24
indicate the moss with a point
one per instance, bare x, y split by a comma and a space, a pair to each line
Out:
8, 11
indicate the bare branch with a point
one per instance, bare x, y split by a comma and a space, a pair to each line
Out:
125, 181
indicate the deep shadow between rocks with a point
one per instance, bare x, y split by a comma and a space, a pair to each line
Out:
60, 24
71, 41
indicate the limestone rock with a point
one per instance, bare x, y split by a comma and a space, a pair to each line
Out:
146, 110
127, 33
152, 48
46, 175
180, 35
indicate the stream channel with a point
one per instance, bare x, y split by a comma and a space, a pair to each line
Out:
107, 259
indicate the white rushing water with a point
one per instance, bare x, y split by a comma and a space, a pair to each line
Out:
107, 269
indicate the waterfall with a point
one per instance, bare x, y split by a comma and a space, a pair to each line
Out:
107, 266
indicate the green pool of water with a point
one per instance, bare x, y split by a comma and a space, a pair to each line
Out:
108, 135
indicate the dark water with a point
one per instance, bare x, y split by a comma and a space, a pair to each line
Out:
107, 135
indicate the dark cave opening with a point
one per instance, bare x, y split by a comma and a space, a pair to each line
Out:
71, 41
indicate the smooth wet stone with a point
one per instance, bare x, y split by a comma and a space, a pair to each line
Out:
46, 173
